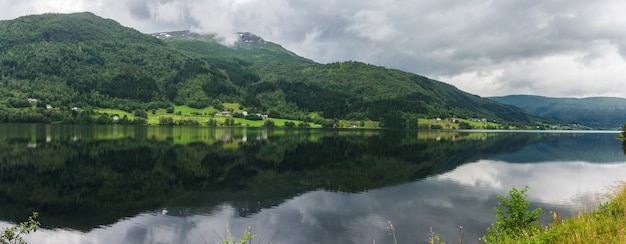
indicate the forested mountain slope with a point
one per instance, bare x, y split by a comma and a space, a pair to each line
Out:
596, 112
82, 60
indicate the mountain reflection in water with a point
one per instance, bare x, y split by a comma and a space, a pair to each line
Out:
118, 184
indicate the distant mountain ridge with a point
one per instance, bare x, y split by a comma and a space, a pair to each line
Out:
83, 60
596, 112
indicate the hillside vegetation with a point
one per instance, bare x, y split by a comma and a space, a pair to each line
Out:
596, 112
60, 67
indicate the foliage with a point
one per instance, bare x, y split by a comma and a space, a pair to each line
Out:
212, 122
246, 237
289, 124
253, 117
465, 125
392, 231
269, 123
141, 113
166, 120
13, 235
434, 238
229, 122
513, 218
187, 122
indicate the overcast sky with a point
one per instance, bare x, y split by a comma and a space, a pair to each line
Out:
560, 48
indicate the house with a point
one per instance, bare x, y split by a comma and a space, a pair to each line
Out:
48, 106
76, 109
31, 100
225, 113
116, 117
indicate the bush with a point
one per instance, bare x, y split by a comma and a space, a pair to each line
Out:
289, 124
513, 219
269, 123
166, 120
140, 121
253, 117
212, 122
103, 119
465, 126
141, 113
187, 122
229, 122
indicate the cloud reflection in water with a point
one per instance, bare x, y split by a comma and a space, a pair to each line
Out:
464, 196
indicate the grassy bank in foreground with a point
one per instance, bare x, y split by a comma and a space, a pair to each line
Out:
606, 224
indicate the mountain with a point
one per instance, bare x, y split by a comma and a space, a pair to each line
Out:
340, 90
82, 60
596, 112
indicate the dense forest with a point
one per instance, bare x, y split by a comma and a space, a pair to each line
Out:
59, 67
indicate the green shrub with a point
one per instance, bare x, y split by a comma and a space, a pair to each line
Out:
13, 235
166, 121
465, 126
269, 123
253, 117
513, 219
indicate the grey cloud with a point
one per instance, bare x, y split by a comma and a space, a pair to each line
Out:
435, 38
138, 9
432, 38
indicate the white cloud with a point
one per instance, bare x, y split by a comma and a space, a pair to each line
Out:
551, 182
486, 83
215, 17
166, 12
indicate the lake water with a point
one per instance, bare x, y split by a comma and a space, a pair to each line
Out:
126, 184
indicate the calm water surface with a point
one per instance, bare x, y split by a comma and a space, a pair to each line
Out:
125, 184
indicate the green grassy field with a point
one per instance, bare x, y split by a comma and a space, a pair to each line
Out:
449, 125
235, 107
202, 116
121, 113
186, 110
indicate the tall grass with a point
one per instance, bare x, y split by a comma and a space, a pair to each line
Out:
606, 224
